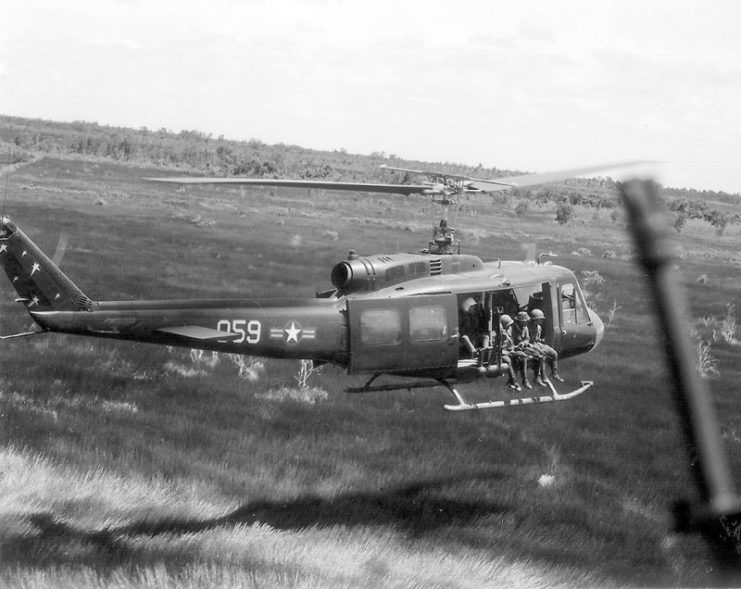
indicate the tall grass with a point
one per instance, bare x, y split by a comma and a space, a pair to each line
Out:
120, 471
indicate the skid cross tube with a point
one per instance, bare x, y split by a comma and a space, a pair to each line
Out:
462, 405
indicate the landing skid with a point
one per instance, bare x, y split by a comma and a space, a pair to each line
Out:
462, 405
24, 334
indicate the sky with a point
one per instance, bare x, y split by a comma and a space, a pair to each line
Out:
533, 85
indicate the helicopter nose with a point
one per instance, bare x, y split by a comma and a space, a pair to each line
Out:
599, 328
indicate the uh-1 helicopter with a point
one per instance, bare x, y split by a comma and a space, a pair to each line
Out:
400, 315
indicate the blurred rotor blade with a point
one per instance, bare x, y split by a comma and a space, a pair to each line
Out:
427, 173
61, 249
309, 184
506, 182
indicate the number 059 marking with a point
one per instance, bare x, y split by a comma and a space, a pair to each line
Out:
251, 334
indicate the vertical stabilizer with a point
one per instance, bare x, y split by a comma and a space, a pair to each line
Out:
40, 284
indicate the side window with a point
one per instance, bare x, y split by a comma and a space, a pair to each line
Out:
568, 304
380, 327
572, 305
427, 323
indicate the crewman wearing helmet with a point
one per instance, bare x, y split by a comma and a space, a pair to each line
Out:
472, 326
475, 324
521, 340
516, 356
537, 317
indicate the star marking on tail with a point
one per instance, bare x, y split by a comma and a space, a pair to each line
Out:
35, 268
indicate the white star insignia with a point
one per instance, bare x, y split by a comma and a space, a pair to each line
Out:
35, 268
25, 253
292, 333
3, 248
15, 278
34, 301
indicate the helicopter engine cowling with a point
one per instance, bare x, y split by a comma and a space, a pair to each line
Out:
371, 273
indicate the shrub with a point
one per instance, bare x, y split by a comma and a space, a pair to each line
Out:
522, 208
592, 282
680, 222
717, 329
610, 315
564, 212
706, 363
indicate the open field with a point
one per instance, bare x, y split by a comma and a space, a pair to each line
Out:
132, 465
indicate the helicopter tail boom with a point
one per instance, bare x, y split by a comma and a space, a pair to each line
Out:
39, 283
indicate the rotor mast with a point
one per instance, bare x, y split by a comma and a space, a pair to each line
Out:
443, 235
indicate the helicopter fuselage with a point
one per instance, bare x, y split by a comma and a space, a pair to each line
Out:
397, 314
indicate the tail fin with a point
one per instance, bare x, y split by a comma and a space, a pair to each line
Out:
40, 284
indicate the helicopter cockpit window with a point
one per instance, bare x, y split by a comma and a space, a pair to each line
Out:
427, 323
572, 305
380, 327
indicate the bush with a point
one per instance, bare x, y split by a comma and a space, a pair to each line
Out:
564, 213
717, 329
680, 222
522, 208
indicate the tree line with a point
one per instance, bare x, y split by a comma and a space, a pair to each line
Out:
201, 153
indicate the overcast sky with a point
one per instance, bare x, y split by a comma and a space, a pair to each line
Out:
527, 85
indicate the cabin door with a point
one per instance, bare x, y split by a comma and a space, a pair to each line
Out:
413, 335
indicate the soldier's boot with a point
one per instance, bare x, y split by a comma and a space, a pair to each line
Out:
539, 373
515, 387
523, 374
511, 380
554, 372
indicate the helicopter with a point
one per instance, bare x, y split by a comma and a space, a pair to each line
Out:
397, 315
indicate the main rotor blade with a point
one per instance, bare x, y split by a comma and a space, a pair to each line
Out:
431, 173
319, 184
506, 182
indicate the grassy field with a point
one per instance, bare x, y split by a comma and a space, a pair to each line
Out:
131, 465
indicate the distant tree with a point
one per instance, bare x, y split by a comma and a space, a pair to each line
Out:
719, 220
680, 221
564, 212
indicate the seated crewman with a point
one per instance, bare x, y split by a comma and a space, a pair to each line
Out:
521, 340
506, 362
537, 317
517, 358
471, 324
